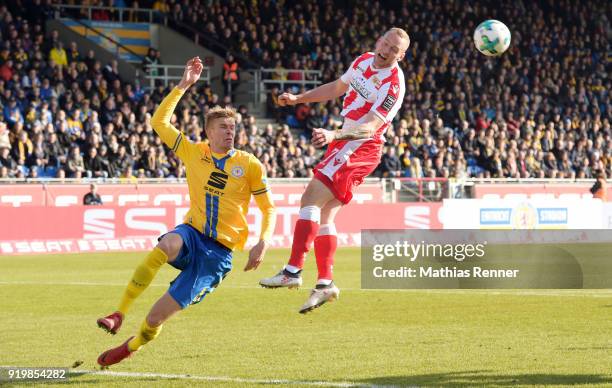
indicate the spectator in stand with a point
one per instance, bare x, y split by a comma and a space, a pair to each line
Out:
57, 55
75, 166
390, 165
4, 172
99, 14
231, 76
92, 197
94, 165
22, 148
73, 55
313, 120
149, 60
5, 140
13, 113
7, 161
600, 188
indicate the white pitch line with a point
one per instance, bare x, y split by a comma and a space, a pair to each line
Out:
225, 379
602, 293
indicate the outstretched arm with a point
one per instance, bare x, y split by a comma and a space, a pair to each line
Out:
160, 121
329, 91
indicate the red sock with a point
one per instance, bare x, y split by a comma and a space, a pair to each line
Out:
325, 248
305, 233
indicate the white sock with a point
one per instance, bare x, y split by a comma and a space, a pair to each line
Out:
327, 230
324, 282
292, 269
311, 213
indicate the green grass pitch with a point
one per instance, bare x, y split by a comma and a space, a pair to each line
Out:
243, 335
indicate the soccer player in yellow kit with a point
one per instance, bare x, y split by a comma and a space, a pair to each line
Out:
221, 181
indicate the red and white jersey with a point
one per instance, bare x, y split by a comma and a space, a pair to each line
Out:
378, 90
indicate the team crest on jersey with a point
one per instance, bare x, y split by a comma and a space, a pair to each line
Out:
376, 82
237, 172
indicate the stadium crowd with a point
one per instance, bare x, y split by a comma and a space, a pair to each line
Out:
69, 115
541, 110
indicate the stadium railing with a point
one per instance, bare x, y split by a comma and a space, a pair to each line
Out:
264, 78
417, 189
437, 189
167, 73
119, 14
393, 190
130, 181
306, 77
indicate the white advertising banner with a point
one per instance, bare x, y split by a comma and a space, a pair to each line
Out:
524, 214
607, 215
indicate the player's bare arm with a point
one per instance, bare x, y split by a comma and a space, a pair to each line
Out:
326, 92
365, 130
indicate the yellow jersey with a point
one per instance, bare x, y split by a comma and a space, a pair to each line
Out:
220, 186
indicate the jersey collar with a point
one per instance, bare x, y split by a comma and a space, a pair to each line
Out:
220, 162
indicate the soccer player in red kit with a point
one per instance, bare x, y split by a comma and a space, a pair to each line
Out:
374, 87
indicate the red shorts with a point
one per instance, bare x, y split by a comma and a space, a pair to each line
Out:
346, 164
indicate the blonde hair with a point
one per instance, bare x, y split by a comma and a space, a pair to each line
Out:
218, 112
401, 33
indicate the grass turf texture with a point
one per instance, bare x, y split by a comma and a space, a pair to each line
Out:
49, 306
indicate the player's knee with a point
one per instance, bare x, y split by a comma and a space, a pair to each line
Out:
171, 244
316, 194
312, 198
329, 211
307, 199
327, 217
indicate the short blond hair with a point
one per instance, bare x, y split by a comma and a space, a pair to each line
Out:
401, 33
218, 112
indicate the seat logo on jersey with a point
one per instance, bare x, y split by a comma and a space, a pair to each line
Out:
218, 179
237, 172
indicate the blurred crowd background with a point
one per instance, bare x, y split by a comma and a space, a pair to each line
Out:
540, 110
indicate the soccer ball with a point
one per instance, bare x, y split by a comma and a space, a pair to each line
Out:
492, 38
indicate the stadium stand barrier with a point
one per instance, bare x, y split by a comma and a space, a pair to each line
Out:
167, 73
262, 79
90, 12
